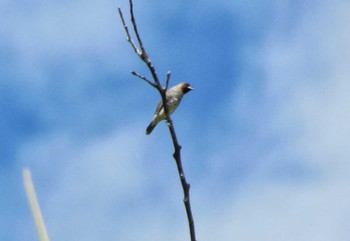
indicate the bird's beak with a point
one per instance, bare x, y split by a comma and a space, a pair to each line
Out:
190, 87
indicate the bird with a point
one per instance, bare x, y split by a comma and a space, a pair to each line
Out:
173, 98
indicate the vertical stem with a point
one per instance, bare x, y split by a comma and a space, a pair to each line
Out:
162, 91
34, 205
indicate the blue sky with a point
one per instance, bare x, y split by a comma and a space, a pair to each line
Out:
265, 133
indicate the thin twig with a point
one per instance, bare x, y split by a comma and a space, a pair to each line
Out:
143, 78
162, 91
144, 54
128, 38
168, 74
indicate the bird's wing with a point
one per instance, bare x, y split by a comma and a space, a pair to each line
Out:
160, 105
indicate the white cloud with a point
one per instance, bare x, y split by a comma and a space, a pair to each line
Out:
306, 104
276, 212
48, 39
112, 186
63, 27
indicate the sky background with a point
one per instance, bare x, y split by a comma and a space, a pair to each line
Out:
265, 133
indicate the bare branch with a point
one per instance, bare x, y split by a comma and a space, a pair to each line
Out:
162, 91
143, 78
143, 51
128, 38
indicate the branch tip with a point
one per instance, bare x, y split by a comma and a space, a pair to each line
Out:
143, 78
168, 74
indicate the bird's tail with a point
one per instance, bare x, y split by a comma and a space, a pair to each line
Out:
150, 128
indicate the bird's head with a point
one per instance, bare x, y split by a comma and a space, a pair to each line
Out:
185, 87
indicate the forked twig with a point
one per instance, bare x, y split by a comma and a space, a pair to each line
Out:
141, 52
128, 37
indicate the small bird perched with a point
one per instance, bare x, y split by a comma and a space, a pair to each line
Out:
173, 99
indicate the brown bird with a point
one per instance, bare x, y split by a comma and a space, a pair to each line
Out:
173, 99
